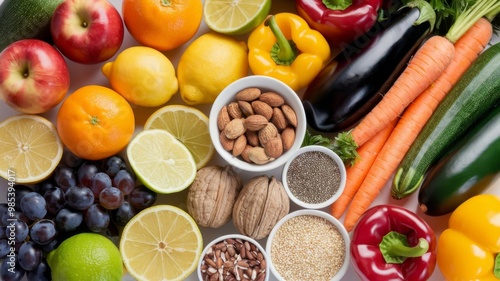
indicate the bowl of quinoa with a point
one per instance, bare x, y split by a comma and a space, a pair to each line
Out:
308, 245
314, 177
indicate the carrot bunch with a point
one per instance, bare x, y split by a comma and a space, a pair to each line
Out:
429, 76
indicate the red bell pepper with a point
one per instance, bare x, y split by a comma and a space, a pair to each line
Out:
393, 243
340, 21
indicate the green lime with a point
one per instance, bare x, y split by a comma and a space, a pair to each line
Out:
235, 17
86, 257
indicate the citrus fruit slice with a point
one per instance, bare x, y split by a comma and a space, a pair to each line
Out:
30, 148
161, 242
160, 161
189, 125
235, 17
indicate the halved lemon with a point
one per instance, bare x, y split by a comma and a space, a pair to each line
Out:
189, 125
162, 242
160, 161
30, 148
235, 17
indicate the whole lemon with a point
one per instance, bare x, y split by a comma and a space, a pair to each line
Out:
143, 76
210, 63
86, 256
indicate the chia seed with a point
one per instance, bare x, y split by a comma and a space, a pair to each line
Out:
313, 177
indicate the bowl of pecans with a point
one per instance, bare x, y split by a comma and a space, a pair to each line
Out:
233, 257
256, 123
308, 245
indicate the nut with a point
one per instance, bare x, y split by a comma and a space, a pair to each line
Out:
262, 108
288, 138
234, 110
272, 98
239, 145
212, 194
248, 94
252, 138
255, 122
234, 128
246, 108
244, 153
226, 143
262, 202
278, 119
258, 155
223, 118
274, 147
290, 114
268, 132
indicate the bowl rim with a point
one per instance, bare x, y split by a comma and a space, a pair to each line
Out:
337, 193
271, 83
343, 231
233, 236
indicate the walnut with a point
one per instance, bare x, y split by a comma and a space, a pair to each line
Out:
261, 204
212, 194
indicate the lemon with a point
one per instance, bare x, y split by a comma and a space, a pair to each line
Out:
235, 17
210, 63
30, 148
86, 256
143, 76
161, 242
189, 125
160, 161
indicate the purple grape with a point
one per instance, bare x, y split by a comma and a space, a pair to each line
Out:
40, 273
99, 182
4, 248
111, 198
113, 165
10, 270
85, 173
142, 197
79, 197
97, 218
64, 177
20, 191
17, 230
68, 219
122, 215
43, 232
54, 197
4, 212
29, 256
43, 186
124, 181
33, 205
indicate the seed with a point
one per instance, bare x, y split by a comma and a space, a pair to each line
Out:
313, 177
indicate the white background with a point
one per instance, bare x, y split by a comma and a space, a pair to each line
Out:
82, 75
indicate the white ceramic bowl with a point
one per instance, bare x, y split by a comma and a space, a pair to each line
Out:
265, 83
232, 236
334, 196
345, 235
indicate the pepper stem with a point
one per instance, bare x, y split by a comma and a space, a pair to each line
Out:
337, 4
284, 51
395, 248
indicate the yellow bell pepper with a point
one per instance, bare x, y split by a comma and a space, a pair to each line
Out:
286, 48
469, 248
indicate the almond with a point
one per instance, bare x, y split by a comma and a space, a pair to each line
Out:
226, 143
255, 122
252, 138
288, 138
223, 118
234, 128
274, 147
278, 119
268, 132
246, 108
239, 145
258, 156
234, 110
272, 98
290, 114
248, 94
262, 108
244, 153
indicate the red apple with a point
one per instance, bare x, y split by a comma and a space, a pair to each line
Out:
34, 76
87, 31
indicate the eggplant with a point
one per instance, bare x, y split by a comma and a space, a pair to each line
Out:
356, 79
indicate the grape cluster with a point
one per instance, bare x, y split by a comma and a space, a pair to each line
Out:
86, 196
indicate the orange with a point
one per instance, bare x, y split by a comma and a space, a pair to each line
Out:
162, 24
95, 122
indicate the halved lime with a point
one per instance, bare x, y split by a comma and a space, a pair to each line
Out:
160, 161
235, 17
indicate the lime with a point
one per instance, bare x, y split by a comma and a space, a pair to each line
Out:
235, 17
86, 256
189, 125
160, 161
161, 242
30, 148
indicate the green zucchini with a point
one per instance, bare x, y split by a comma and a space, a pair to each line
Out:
22, 19
477, 92
466, 170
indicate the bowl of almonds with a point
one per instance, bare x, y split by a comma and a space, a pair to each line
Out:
257, 123
233, 257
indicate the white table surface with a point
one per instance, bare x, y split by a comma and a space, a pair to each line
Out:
82, 75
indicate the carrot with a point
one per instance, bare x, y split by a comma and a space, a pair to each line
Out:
467, 49
425, 67
356, 174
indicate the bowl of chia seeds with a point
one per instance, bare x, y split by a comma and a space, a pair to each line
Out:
314, 177
308, 245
